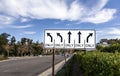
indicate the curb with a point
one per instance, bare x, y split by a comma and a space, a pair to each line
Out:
58, 66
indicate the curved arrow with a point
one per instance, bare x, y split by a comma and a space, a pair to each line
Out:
90, 35
69, 33
48, 34
79, 33
58, 34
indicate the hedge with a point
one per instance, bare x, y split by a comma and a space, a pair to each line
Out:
99, 63
112, 48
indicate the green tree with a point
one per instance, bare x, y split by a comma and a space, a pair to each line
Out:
38, 48
4, 43
13, 40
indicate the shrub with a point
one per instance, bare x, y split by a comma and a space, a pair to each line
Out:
112, 48
99, 63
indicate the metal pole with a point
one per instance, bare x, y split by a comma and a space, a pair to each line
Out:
65, 56
84, 47
53, 62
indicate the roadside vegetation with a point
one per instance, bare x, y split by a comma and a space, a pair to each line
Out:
25, 47
104, 61
66, 70
99, 63
3, 58
10, 47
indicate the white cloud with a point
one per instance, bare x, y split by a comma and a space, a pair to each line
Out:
6, 19
114, 31
104, 15
20, 26
58, 9
24, 20
109, 33
29, 32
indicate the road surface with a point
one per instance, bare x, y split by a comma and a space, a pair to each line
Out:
27, 67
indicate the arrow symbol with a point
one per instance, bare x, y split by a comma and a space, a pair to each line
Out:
79, 33
48, 34
69, 33
90, 34
58, 34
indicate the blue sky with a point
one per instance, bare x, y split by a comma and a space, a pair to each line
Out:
29, 18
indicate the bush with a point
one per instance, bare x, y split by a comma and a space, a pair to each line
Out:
99, 63
112, 48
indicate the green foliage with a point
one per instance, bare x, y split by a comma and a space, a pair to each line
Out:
110, 41
66, 69
38, 49
99, 47
3, 39
4, 43
112, 48
21, 48
99, 63
13, 40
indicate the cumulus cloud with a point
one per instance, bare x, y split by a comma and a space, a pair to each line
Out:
58, 9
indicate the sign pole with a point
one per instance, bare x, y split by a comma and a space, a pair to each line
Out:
65, 56
84, 47
53, 60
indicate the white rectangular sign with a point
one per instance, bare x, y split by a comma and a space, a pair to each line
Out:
69, 39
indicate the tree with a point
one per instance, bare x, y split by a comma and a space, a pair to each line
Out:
4, 43
29, 46
38, 48
3, 38
13, 40
23, 41
12, 48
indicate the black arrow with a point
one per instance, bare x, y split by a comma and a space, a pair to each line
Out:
69, 33
90, 34
48, 34
58, 34
79, 33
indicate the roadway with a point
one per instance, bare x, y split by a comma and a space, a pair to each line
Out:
27, 66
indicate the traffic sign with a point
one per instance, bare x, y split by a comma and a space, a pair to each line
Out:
69, 39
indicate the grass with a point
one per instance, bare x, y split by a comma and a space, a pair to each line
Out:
2, 58
66, 69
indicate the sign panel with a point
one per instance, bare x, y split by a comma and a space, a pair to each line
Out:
69, 39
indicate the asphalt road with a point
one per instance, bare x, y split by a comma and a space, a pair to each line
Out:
27, 67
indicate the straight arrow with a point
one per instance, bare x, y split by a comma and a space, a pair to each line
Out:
58, 34
48, 34
79, 33
69, 33
90, 35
